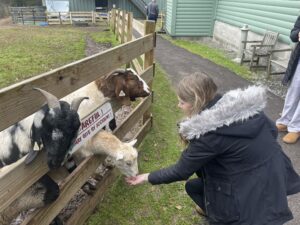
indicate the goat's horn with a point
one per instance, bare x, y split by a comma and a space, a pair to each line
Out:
51, 99
76, 103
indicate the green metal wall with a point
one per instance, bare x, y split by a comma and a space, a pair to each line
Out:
169, 23
82, 5
260, 15
127, 5
190, 17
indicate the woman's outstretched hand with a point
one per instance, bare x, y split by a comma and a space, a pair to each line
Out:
139, 179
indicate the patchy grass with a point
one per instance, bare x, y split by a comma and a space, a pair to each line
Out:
27, 51
147, 204
105, 36
211, 54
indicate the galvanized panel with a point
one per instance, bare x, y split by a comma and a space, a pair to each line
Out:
260, 15
194, 17
82, 5
171, 16
128, 6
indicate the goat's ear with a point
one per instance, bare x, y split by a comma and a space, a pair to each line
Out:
132, 143
120, 88
31, 156
122, 94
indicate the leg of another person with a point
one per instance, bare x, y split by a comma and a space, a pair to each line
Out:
291, 110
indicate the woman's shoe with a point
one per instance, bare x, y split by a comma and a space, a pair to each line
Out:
281, 127
291, 137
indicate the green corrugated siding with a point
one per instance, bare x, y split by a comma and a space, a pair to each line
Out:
260, 15
170, 7
190, 17
82, 5
128, 6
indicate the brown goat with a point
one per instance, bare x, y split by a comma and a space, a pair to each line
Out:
124, 85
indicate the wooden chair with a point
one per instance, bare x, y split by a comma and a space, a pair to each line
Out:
279, 62
259, 49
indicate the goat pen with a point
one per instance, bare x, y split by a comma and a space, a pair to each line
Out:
18, 101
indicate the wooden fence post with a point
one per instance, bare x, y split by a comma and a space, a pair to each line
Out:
33, 16
123, 26
113, 20
117, 23
129, 30
129, 26
71, 21
59, 18
149, 58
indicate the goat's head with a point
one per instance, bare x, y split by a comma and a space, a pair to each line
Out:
55, 129
126, 160
135, 85
123, 84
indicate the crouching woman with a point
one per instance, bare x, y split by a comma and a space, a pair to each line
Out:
244, 177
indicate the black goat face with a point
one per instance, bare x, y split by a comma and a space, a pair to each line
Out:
58, 132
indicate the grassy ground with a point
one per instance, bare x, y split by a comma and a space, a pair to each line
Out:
28, 51
212, 54
147, 204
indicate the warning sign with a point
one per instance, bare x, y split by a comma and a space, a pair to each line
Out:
92, 123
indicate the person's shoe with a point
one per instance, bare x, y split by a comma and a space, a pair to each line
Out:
291, 137
200, 211
281, 127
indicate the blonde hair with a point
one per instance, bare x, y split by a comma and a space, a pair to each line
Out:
197, 89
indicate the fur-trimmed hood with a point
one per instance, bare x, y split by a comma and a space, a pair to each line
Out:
234, 106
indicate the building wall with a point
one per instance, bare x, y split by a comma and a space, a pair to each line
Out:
190, 17
82, 5
170, 8
260, 15
126, 5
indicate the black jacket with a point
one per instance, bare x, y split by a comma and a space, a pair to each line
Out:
246, 174
293, 62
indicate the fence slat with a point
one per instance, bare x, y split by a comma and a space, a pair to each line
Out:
21, 100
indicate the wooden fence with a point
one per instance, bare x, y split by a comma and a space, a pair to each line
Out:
126, 28
19, 101
54, 18
28, 15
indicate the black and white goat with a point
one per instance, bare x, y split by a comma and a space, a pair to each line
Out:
53, 128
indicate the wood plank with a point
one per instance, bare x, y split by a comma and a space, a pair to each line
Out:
87, 207
18, 177
139, 26
19, 100
67, 190
133, 117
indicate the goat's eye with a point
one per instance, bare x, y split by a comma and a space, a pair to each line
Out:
128, 163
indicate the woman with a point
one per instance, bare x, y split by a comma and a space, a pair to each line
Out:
244, 176
290, 117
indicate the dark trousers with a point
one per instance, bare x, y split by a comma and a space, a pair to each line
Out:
195, 189
152, 17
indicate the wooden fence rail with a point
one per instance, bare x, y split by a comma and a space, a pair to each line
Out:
19, 100
62, 18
